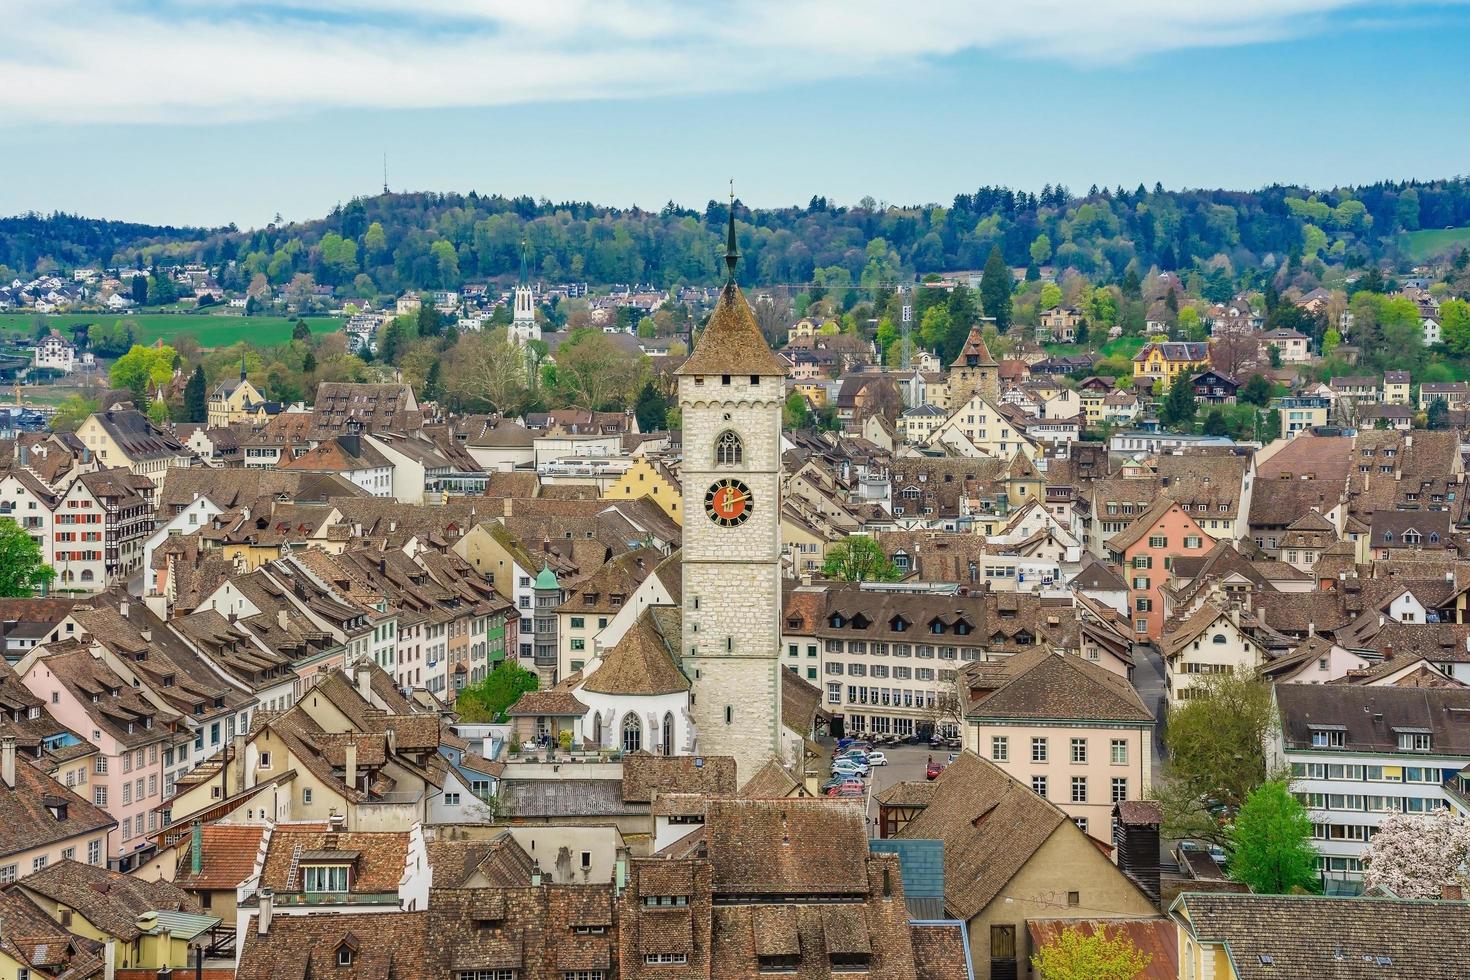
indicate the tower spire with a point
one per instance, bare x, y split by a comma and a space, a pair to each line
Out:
242, 365
523, 280
732, 251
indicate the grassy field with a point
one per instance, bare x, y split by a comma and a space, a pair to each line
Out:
1432, 242
1125, 346
211, 330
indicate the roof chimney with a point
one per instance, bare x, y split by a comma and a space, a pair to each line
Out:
1451, 892
196, 847
351, 764
363, 679
282, 620
7, 760
337, 821
509, 506
265, 906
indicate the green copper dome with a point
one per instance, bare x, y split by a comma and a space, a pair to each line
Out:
546, 579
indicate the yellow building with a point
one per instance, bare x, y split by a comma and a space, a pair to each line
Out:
1396, 387
647, 478
235, 400
1165, 360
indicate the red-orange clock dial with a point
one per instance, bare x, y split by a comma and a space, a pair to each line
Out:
728, 503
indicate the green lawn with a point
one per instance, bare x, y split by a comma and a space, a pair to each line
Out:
210, 329
1125, 346
1433, 242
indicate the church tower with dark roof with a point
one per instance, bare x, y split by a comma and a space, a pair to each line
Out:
731, 391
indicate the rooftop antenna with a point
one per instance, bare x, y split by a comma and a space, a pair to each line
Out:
385, 172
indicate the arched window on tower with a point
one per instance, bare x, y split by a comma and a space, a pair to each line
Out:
729, 450
668, 735
632, 733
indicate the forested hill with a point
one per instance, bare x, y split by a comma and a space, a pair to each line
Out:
34, 242
427, 240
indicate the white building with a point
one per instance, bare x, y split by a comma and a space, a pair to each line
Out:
1358, 753
55, 353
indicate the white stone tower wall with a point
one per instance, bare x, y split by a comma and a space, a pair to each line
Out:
732, 576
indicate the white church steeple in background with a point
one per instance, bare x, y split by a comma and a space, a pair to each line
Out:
523, 325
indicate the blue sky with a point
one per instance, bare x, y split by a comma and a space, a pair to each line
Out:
209, 111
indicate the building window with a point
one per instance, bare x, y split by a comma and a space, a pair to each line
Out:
729, 451
1038, 786
656, 958
1079, 750
325, 878
1336, 739
1079, 789
1120, 790
451, 799
1119, 752
1000, 748
1408, 741
94, 852
306, 796
632, 733
1038, 750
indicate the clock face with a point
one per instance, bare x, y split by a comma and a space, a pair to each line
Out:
728, 503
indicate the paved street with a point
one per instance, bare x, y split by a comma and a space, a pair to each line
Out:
1148, 680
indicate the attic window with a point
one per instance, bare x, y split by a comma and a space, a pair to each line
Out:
724, 379
344, 956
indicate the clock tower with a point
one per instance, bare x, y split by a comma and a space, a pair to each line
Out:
731, 392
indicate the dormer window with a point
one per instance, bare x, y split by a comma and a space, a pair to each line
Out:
936, 626
836, 621
898, 624
324, 878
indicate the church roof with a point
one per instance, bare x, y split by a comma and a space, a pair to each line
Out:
639, 663
732, 343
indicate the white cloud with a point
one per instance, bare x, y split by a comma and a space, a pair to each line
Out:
191, 61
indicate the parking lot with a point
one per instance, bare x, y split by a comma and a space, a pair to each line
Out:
905, 762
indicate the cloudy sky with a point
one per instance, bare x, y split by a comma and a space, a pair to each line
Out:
209, 111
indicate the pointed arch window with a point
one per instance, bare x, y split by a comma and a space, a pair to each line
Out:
668, 733
632, 733
729, 450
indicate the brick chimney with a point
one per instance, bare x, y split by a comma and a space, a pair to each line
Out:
7, 760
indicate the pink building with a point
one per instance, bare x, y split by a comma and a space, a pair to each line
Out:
1144, 552
135, 740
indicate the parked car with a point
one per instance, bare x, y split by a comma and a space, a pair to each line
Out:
845, 744
857, 755
933, 771
847, 767
840, 780
877, 759
847, 790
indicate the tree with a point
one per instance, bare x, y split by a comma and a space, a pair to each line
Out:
487, 701
1041, 249
300, 331
141, 367
488, 372
1271, 842
857, 558
1215, 754
22, 569
140, 290
1415, 855
1179, 406
1256, 390
795, 414
995, 290
158, 412
1081, 332
308, 362
1438, 415
196, 397
593, 373
651, 408
1454, 318
1075, 955
1273, 355
1051, 296
1215, 424
433, 384
72, 412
